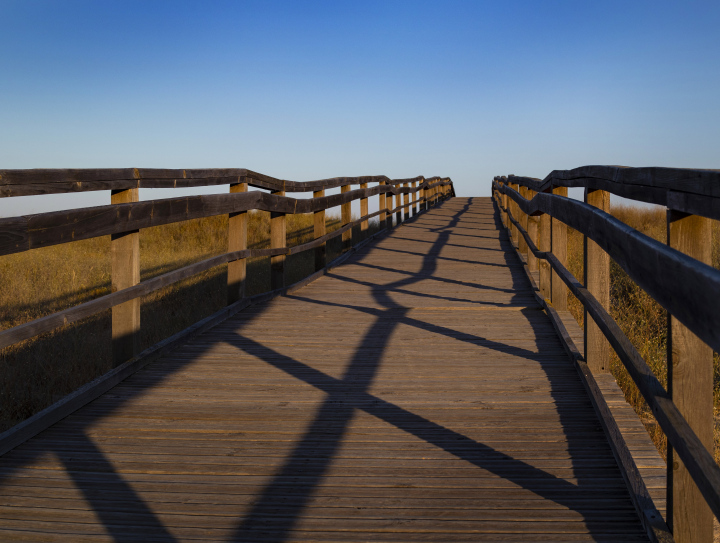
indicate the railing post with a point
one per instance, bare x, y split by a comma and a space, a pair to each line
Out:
398, 206
382, 208
363, 213
514, 211
319, 231
346, 216
389, 216
504, 198
690, 385
597, 281
544, 244
532, 230
424, 195
415, 197
558, 246
125, 262
237, 241
406, 202
522, 219
278, 240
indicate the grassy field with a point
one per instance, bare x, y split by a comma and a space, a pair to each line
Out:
37, 372
640, 317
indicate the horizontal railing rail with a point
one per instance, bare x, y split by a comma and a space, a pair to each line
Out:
125, 216
536, 213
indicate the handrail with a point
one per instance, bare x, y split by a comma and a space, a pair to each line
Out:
687, 288
18, 234
692, 191
56, 181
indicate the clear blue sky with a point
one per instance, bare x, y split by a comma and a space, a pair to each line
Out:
307, 90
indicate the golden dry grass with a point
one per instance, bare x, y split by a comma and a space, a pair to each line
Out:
639, 316
37, 372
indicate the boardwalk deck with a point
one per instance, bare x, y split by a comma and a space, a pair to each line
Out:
416, 393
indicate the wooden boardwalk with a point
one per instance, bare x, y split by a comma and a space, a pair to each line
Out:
415, 393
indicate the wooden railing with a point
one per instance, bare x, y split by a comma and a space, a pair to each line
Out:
678, 275
126, 215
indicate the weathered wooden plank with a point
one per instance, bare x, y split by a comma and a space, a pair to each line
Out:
237, 241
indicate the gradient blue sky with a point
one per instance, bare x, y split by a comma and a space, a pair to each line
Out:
307, 90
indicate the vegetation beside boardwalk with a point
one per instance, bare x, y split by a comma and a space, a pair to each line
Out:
37, 372
640, 317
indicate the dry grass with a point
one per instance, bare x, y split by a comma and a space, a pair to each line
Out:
640, 317
38, 372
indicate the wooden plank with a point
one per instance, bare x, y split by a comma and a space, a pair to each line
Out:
363, 212
237, 241
690, 378
125, 265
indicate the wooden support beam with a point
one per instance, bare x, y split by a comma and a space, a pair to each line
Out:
559, 292
382, 207
522, 218
125, 262
514, 210
319, 231
415, 197
363, 213
690, 385
406, 203
278, 240
544, 242
398, 214
506, 217
237, 241
346, 216
389, 216
532, 231
597, 282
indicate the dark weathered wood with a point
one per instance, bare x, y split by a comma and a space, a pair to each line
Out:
597, 282
237, 241
523, 219
558, 246
363, 212
690, 385
689, 289
346, 217
688, 190
278, 240
382, 206
125, 265
319, 231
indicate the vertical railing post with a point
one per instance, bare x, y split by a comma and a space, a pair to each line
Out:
389, 216
346, 217
363, 213
558, 246
424, 195
382, 208
544, 244
522, 219
415, 198
319, 231
398, 206
125, 262
278, 240
406, 202
237, 241
597, 281
532, 230
690, 385
514, 211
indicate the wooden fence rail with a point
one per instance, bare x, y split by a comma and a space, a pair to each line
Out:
124, 218
677, 275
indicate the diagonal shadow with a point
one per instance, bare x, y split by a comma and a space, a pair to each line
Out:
351, 392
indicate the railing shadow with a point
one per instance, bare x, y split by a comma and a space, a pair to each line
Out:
273, 517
